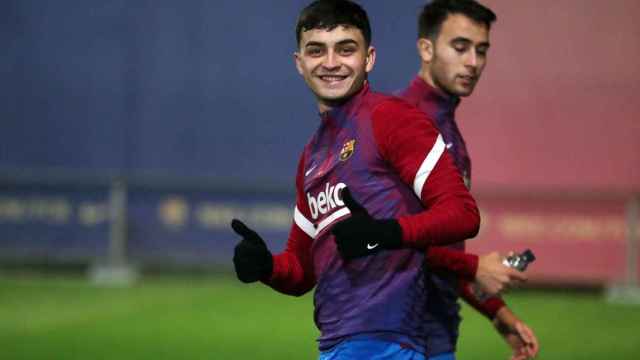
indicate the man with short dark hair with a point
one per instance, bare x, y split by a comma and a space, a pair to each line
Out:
375, 187
453, 43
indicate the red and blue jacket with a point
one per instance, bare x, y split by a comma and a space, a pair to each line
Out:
452, 272
396, 165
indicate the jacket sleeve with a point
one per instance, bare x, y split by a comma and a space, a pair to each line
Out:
464, 264
486, 305
409, 142
293, 268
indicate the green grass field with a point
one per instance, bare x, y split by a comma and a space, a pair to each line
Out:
219, 318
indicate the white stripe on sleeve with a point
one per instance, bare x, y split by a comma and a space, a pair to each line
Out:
331, 218
303, 223
427, 165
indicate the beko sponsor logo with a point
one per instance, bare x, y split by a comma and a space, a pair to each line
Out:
325, 200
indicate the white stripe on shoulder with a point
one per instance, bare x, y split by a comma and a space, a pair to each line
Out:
331, 218
427, 166
303, 223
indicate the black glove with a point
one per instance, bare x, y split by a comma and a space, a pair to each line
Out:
251, 258
362, 235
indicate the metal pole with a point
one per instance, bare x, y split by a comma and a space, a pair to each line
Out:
633, 210
629, 291
118, 228
116, 270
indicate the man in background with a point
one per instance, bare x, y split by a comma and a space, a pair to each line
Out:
453, 43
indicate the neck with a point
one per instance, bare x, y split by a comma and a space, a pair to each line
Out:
328, 105
425, 75
325, 105
323, 108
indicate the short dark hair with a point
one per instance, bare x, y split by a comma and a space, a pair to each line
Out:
329, 14
436, 12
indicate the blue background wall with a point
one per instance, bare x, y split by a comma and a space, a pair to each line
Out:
193, 88
196, 103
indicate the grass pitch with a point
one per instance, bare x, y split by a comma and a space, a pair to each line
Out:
220, 318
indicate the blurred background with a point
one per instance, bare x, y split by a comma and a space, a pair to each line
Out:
131, 132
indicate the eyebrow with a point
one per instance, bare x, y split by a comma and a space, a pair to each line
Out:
460, 39
339, 43
465, 40
347, 42
314, 43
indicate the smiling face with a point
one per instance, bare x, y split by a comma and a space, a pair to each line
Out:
454, 62
334, 63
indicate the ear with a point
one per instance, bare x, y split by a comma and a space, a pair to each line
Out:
296, 57
425, 49
370, 60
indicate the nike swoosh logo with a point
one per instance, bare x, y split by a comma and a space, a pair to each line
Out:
309, 171
371, 247
449, 145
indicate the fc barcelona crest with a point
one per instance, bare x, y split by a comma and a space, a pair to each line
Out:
347, 150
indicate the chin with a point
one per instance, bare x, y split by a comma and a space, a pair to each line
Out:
335, 95
464, 92
332, 96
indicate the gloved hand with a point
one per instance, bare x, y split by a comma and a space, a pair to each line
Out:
362, 235
252, 259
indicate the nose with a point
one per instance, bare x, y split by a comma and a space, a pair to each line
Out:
331, 61
472, 59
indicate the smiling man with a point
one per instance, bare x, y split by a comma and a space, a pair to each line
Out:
375, 188
334, 64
